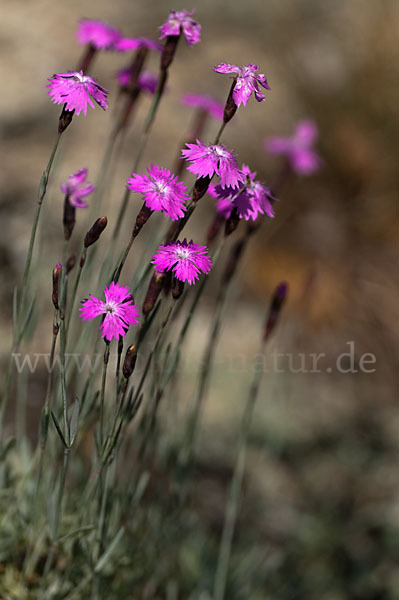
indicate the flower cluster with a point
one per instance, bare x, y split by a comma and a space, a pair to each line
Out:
118, 308
161, 191
210, 160
251, 199
76, 188
181, 21
185, 259
298, 148
76, 91
247, 80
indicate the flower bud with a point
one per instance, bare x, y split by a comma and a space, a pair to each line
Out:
130, 361
96, 230
232, 222
276, 304
178, 289
168, 51
56, 279
154, 289
70, 263
141, 219
69, 219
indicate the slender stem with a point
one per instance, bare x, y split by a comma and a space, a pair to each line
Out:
235, 489
117, 272
64, 284
42, 193
75, 288
102, 393
219, 134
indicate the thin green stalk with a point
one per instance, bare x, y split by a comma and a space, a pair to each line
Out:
64, 285
75, 287
235, 489
219, 134
102, 393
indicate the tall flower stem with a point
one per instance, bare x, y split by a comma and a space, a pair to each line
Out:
102, 393
63, 300
235, 489
141, 146
219, 134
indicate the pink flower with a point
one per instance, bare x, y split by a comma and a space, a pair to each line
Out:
247, 81
208, 160
206, 103
250, 200
118, 308
76, 91
186, 259
75, 190
99, 34
298, 148
161, 191
126, 44
181, 21
147, 81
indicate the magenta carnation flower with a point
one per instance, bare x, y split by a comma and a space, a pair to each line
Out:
126, 44
161, 191
208, 160
99, 34
298, 148
118, 308
250, 200
76, 91
181, 21
206, 103
186, 259
147, 81
247, 81
76, 188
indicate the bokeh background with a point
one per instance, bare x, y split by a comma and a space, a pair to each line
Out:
320, 511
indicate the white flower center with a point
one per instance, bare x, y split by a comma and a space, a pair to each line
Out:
110, 308
183, 253
160, 188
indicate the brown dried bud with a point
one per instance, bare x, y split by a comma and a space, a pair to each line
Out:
200, 187
141, 219
65, 119
178, 289
232, 222
168, 51
154, 289
56, 279
69, 218
94, 233
83, 258
276, 304
231, 106
130, 361
70, 263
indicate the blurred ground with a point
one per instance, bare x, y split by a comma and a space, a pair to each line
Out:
323, 464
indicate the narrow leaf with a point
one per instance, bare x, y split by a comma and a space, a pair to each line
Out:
58, 428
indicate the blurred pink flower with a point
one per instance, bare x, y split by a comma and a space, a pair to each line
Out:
76, 91
99, 34
181, 21
126, 44
247, 81
298, 148
77, 188
208, 160
186, 259
161, 191
118, 308
206, 103
147, 81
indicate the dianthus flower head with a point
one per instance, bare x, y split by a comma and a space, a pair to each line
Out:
76, 91
250, 200
213, 159
126, 44
298, 148
118, 308
147, 81
76, 188
161, 191
206, 103
247, 80
99, 34
181, 21
186, 259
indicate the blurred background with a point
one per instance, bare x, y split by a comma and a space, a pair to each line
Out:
320, 511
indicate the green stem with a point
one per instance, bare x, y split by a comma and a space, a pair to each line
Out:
235, 489
64, 284
102, 393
